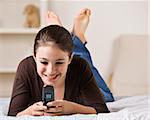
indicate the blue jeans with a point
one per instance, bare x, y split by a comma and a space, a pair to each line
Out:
81, 50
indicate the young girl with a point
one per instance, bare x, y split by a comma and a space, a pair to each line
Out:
53, 64
81, 22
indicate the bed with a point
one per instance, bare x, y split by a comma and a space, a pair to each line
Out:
123, 108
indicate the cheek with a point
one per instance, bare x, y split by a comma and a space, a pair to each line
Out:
63, 68
40, 69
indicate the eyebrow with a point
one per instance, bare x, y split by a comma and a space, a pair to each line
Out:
60, 59
43, 59
56, 60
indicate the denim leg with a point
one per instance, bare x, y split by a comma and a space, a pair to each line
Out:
81, 50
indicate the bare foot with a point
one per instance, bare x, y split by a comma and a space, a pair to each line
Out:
80, 24
52, 19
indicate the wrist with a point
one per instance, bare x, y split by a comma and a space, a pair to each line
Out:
24, 112
75, 108
20, 113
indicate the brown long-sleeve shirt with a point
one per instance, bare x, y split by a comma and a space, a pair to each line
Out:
80, 86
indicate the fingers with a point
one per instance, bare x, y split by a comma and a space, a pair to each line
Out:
37, 113
58, 109
55, 103
55, 107
39, 103
39, 106
52, 114
37, 109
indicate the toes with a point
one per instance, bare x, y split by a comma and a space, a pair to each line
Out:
88, 12
51, 14
52, 19
85, 11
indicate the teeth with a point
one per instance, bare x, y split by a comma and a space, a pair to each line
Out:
52, 77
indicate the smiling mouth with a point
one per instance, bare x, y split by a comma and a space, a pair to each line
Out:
51, 78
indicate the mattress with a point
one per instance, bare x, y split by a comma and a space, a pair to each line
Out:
125, 108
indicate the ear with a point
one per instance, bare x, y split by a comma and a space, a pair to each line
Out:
71, 57
34, 57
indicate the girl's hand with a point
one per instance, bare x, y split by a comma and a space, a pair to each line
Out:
60, 107
37, 109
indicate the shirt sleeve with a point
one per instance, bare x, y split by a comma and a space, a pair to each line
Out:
20, 94
90, 92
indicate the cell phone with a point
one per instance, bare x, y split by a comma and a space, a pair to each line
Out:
47, 94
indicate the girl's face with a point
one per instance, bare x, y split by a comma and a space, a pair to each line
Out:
52, 64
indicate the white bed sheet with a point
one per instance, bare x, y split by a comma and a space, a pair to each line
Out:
128, 108
4, 104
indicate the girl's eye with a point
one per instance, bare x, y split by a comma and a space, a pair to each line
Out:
58, 63
43, 62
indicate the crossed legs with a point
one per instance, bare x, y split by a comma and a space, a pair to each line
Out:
80, 22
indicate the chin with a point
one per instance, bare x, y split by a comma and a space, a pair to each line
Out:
48, 82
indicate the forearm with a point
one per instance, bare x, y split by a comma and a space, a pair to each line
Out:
81, 109
37, 109
24, 112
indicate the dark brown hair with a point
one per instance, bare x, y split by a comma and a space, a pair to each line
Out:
56, 34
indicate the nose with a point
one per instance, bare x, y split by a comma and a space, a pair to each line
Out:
50, 69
